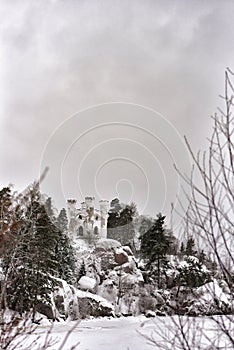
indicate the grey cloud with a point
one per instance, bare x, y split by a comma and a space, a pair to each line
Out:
59, 57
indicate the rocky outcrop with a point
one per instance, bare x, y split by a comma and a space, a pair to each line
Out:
93, 305
72, 303
111, 254
46, 310
87, 283
121, 257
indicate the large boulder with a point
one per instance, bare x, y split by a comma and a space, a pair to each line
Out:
46, 310
108, 290
105, 253
106, 244
147, 303
87, 283
128, 250
72, 303
121, 257
65, 301
93, 305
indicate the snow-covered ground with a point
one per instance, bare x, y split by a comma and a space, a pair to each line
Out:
128, 333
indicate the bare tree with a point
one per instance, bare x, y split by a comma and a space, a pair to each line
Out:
209, 219
210, 216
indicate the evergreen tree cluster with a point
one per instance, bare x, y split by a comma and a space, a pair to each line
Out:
38, 251
155, 245
158, 243
120, 224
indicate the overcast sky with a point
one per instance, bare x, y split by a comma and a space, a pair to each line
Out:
61, 57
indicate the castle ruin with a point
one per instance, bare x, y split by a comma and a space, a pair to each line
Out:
87, 222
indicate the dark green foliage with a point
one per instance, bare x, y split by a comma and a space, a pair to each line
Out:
189, 249
202, 257
62, 221
42, 251
120, 222
154, 242
49, 209
82, 271
145, 223
9, 214
5, 203
193, 274
5, 217
155, 245
34, 263
113, 231
65, 255
182, 248
174, 244
126, 225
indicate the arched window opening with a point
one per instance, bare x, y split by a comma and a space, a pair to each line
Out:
96, 230
81, 231
80, 217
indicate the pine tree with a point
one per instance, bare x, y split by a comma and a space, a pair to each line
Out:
62, 220
202, 257
189, 249
120, 222
126, 227
35, 263
193, 274
145, 223
182, 248
155, 245
49, 209
82, 271
113, 231
65, 253
9, 217
10, 223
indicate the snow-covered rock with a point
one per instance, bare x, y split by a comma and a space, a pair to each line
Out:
121, 257
108, 290
87, 283
93, 305
72, 303
107, 244
211, 298
150, 313
127, 250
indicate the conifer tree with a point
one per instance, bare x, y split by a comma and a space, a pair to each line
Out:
65, 253
189, 249
182, 248
9, 217
62, 220
113, 231
120, 222
35, 263
193, 274
82, 271
49, 209
155, 245
126, 225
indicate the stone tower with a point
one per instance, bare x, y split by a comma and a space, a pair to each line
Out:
87, 222
104, 206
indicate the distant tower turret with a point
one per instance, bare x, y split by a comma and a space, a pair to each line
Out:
104, 206
89, 201
71, 206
